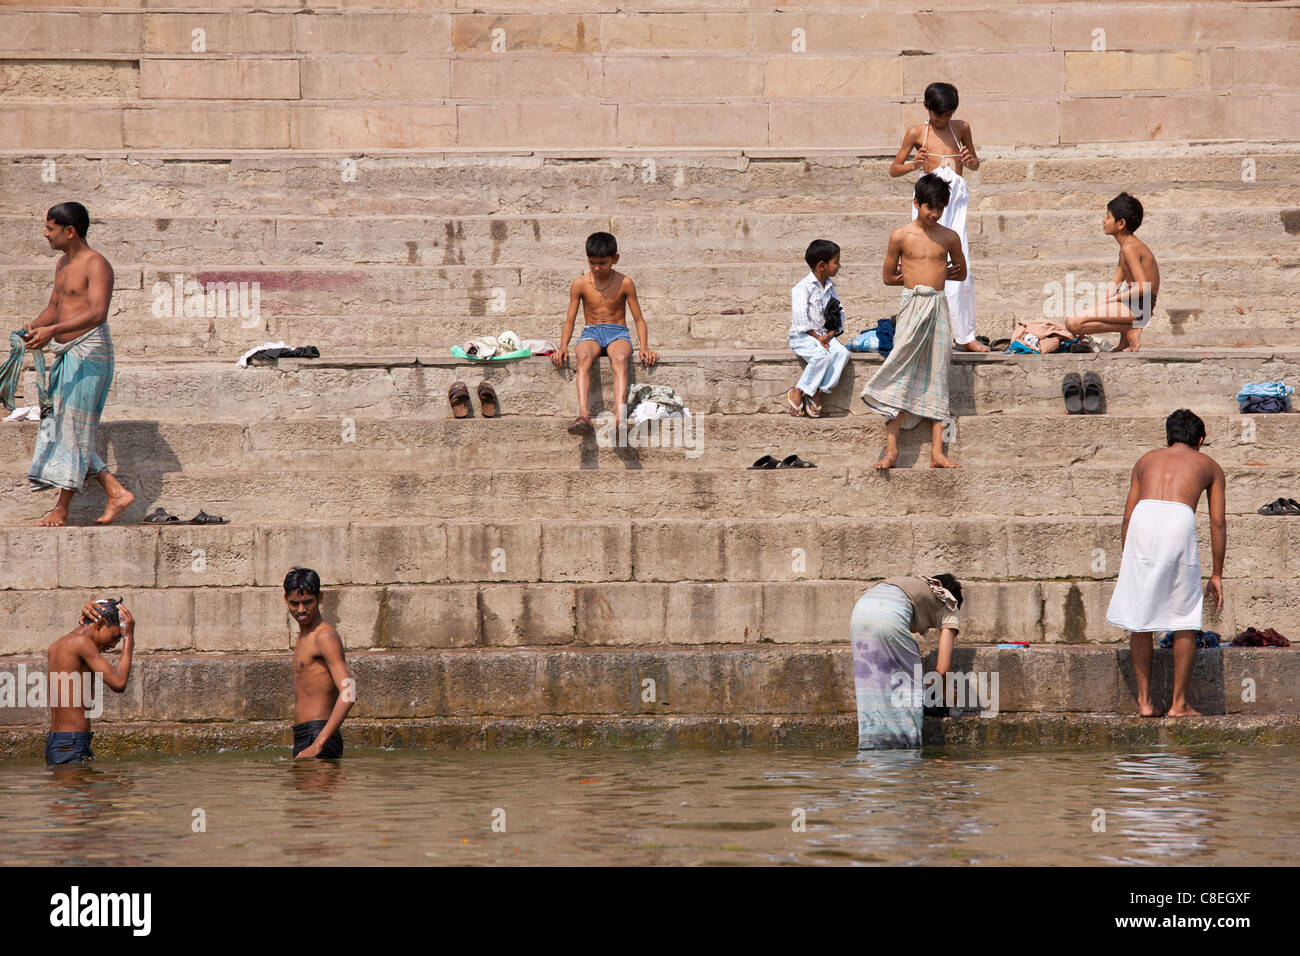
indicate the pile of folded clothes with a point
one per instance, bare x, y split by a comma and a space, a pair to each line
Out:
880, 339
1256, 398
1253, 638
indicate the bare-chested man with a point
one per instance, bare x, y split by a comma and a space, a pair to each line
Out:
605, 295
912, 383
323, 691
1159, 586
1129, 300
74, 327
73, 661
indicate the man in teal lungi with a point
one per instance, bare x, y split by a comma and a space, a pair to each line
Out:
912, 383
74, 328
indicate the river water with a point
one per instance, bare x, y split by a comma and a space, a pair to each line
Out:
1192, 806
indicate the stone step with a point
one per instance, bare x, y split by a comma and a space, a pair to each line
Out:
701, 550
584, 183
720, 683
556, 240
730, 382
857, 492
727, 441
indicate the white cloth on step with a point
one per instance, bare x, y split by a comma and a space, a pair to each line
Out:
243, 361
1159, 586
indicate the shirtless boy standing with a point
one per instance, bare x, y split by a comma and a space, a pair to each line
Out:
912, 383
605, 295
1159, 586
323, 691
1130, 299
72, 659
74, 327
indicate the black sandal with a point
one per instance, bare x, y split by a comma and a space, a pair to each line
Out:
766, 463
1279, 506
1072, 389
1093, 397
204, 518
794, 461
160, 516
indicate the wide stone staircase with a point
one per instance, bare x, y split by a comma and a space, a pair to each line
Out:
384, 185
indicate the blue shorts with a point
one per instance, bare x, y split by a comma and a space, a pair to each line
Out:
604, 334
67, 746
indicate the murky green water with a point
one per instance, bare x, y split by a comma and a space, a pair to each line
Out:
1162, 807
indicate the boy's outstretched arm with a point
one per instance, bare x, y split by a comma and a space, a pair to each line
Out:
892, 274
560, 357
642, 333
967, 144
900, 165
956, 259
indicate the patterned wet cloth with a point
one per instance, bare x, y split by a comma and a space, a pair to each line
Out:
12, 371
885, 664
913, 379
79, 382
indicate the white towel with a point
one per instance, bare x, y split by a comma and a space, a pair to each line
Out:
961, 295
1159, 586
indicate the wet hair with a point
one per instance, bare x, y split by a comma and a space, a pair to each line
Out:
941, 98
932, 191
820, 250
1126, 207
72, 214
102, 612
951, 583
1185, 426
602, 245
302, 579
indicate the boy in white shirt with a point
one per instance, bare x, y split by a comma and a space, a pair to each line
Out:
809, 337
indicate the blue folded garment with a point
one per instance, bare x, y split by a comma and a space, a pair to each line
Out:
1265, 390
880, 339
1203, 639
1261, 405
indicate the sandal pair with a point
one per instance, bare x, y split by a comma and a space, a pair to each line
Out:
162, 516
1082, 394
802, 406
1281, 506
458, 397
767, 463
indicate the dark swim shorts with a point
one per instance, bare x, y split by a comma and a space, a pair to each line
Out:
304, 735
67, 746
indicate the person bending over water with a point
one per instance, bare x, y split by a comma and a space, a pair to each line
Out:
74, 326
72, 659
323, 691
1159, 586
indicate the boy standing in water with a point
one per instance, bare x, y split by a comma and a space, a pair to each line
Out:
945, 148
912, 383
323, 691
605, 296
72, 660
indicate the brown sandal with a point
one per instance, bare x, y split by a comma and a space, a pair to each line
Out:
458, 396
487, 399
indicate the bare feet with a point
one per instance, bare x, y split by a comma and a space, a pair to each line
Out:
117, 503
1146, 710
57, 518
1127, 348
1185, 711
940, 460
581, 426
974, 345
889, 461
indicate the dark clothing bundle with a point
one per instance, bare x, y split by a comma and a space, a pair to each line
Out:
1253, 638
1264, 405
1203, 639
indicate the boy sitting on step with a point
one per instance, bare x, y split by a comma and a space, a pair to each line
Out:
605, 295
812, 303
1130, 299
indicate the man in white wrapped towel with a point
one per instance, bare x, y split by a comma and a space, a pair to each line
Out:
1159, 586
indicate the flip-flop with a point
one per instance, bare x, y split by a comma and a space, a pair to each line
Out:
794, 461
1279, 506
1072, 389
1293, 505
582, 426
999, 345
1093, 396
487, 399
766, 463
204, 518
458, 397
159, 516
795, 407
811, 408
